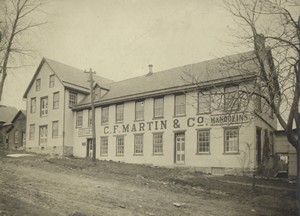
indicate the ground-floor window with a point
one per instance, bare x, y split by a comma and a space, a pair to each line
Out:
54, 129
203, 141
103, 146
32, 132
138, 144
231, 140
158, 143
120, 145
16, 137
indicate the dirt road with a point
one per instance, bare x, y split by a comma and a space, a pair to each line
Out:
41, 188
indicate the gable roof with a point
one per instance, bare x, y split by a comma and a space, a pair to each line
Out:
204, 74
69, 76
7, 113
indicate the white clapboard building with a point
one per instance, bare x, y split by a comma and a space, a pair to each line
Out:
189, 116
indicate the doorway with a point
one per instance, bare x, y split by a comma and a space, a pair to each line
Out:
179, 148
258, 147
89, 148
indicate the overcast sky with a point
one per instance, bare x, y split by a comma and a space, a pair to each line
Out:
120, 38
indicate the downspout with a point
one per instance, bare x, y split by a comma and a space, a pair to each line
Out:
64, 119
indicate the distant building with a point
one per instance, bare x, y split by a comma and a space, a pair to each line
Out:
15, 132
54, 89
191, 116
6, 115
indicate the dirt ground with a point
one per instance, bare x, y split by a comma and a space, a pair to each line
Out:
44, 185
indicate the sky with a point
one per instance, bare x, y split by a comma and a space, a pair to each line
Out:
119, 38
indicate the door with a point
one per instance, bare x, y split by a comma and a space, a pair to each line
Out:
179, 148
89, 148
43, 135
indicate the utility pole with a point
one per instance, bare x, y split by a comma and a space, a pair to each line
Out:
298, 144
91, 80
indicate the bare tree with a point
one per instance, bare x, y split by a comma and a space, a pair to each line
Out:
15, 21
270, 27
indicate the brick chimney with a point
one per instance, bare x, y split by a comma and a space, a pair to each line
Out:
150, 70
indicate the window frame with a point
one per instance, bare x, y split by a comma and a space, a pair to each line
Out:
33, 106
104, 115
120, 146
55, 132
121, 120
102, 146
51, 80
158, 145
203, 93
31, 131
136, 113
176, 105
72, 100
206, 143
16, 136
56, 101
79, 119
138, 146
235, 129
237, 103
38, 83
44, 111
155, 108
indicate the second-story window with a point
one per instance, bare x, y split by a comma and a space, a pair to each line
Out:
79, 119
38, 85
33, 105
119, 113
139, 110
51, 81
104, 115
158, 107
56, 100
232, 100
72, 99
179, 105
204, 102
44, 106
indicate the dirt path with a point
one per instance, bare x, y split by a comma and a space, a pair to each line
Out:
51, 190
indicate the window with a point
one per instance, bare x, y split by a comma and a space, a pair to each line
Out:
104, 115
139, 110
103, 145
55, 129
231, 140
44, 106
158, 107
79, 119
231, 101
203, 141
138, 144
33, 105
32, 132
119, 113
179, 105
51, 81
43, 134
158, 143
72, 99
90, 119
56, 100
120, 145
38, 84
204, 102
16, 136
23, 138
